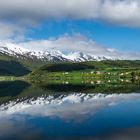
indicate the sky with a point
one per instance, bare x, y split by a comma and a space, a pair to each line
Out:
110, 27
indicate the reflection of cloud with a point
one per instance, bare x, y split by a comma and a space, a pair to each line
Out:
73, 106
22, 119
125, 134
9, 126
12, 127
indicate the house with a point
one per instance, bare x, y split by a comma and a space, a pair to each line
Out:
92, 72
98, 72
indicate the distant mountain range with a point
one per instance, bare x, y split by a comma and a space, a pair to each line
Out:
49, 55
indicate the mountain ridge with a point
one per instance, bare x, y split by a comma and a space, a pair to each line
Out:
50, 55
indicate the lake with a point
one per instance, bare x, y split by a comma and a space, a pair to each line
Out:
59, 112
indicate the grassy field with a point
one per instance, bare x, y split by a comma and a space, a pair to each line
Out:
89, 76
73, 73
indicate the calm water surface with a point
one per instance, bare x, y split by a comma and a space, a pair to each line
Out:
29, 112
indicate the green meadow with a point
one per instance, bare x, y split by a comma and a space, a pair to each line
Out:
93, 72
84, 73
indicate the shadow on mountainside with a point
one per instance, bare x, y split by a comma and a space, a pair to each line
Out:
12, 68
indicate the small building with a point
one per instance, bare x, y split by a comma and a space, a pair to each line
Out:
98, 72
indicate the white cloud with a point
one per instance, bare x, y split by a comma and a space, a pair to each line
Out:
24, 14
78, 43
11, 31
122, 12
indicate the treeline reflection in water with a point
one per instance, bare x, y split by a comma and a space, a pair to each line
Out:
21, 89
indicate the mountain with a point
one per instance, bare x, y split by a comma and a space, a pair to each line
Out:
49, 55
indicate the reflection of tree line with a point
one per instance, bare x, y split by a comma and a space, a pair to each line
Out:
93, 81
21, 90
98, 88
90, 83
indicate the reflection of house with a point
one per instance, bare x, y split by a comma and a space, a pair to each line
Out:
127, 80
136, 77
98, 82
126, 73
66, 82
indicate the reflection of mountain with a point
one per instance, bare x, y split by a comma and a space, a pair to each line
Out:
60, 112
66, 106
97, 116
18, 93
10, 91
12, 88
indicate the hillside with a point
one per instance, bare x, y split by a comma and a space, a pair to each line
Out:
97, 65
87, 73
10, 65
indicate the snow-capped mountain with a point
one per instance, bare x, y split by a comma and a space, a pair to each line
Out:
80, 56
48, 55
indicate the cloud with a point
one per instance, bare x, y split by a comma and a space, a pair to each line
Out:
79, 43
19, 17
11, 31
122, 12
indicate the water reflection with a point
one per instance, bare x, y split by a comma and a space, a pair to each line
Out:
46, 113
66, 106
91, 86
12, 88
22, 90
